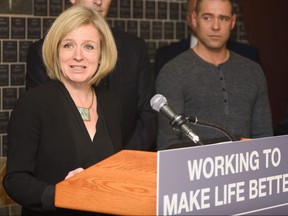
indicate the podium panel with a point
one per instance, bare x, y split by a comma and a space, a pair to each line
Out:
123, 184
234, 178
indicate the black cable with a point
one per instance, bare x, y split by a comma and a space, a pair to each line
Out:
220, 128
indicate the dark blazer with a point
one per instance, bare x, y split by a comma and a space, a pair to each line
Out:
167, 53
132, 81
47, 139
282, 127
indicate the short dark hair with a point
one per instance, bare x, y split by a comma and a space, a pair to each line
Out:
197, 8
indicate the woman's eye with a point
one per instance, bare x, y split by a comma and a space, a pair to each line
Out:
68, 45
89, 47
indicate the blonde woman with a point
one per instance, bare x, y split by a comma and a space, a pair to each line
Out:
69, 123
132, 81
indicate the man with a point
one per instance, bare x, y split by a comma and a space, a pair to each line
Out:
214, 84
166, 53
132, 81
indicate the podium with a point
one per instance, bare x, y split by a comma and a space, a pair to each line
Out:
232, 178
123, 184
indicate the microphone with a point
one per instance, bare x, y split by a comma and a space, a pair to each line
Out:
178, 122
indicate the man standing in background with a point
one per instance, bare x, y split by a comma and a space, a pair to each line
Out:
214, 83
167, 53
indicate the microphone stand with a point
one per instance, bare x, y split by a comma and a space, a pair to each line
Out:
211, 125
179, 124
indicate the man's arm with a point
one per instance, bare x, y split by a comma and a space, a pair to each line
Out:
262, 118
144, 135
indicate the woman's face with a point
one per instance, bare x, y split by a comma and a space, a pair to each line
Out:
79, 54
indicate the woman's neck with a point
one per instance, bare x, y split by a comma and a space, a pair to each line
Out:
80, 93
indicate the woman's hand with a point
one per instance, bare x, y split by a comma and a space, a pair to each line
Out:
74, 172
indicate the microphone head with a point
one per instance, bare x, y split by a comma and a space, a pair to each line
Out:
157, 102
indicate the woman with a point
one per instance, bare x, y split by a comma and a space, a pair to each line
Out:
70, 123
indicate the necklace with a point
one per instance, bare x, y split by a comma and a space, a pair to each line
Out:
85, 112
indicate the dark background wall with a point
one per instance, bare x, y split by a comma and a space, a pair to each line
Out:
159, 22
266, 28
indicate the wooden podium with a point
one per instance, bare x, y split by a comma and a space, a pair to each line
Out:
123, 184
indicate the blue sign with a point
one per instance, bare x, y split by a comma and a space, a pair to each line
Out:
234, 178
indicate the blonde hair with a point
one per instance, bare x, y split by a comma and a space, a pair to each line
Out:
70, 19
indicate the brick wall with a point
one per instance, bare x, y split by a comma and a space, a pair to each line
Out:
159, 22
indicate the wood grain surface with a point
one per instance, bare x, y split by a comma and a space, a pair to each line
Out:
123, 184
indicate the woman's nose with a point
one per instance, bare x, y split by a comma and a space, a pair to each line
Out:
78, 54
98, 2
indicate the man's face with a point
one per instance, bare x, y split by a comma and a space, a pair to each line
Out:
102, 6
214, 23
